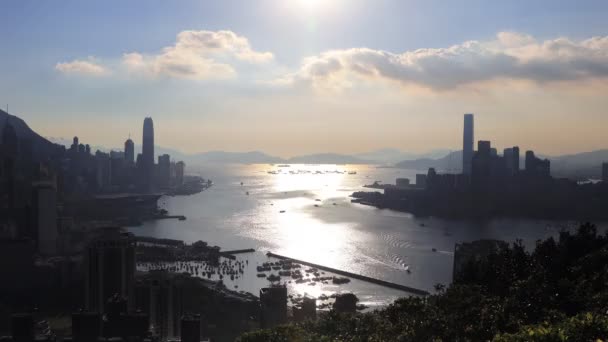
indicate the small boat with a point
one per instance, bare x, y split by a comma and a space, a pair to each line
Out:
352, 172
261, 275
434, 249
282, 211
316, 205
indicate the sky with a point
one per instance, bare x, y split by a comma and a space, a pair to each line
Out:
292, 77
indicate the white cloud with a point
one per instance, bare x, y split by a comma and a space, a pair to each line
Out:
509, 56
82, 67
197, 55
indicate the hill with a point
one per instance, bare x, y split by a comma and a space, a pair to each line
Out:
41, 147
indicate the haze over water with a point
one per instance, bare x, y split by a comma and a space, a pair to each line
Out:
352, 237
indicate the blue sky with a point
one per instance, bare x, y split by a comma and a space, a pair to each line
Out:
246, 107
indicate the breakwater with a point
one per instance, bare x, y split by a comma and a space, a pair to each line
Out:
409, 289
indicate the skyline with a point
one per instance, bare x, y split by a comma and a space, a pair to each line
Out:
221, 79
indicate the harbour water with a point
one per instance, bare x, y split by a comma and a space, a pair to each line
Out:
304, 212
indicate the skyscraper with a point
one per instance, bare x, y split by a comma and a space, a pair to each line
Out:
467, 144
129, 151
148, 143
147, 153
109, 268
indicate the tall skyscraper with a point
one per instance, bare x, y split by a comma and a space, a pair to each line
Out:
129, 151
147, 153
148, 143
467, 144
109, 268
44, 202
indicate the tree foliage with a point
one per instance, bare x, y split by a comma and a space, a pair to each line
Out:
558, 292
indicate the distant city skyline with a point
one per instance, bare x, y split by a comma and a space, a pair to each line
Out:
363, 75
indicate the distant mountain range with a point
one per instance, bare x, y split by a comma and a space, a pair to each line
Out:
578, 166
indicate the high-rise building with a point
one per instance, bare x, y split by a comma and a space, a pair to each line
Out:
179, 172
273, 302
44, 203
147, 153
511, 158
129, 151
109, 268
164, 170
467, 144
191, 328
537, 167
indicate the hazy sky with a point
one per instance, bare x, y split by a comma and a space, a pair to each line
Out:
300, 76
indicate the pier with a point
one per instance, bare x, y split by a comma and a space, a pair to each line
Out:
230, 254
354, 275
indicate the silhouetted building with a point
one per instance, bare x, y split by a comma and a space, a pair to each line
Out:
605, 172
179, 172
147, 153
74, 146
402, 182
421, 180
86, 326
22, 327
467, 144
190, 328
307, 310
103, 170
511, 156
161, 296
109, 268
164, 170
129, 151
537, 167
273, 305
44, 217
489, 170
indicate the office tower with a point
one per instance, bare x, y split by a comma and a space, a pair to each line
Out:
511, 159
74, 147
516, 158
605, 172
164, 170
537, 167
484, 147
162, 296
129, 151
467, 144
421, 180
109, 268
44, 217
148, 142
273, 303
530, 162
